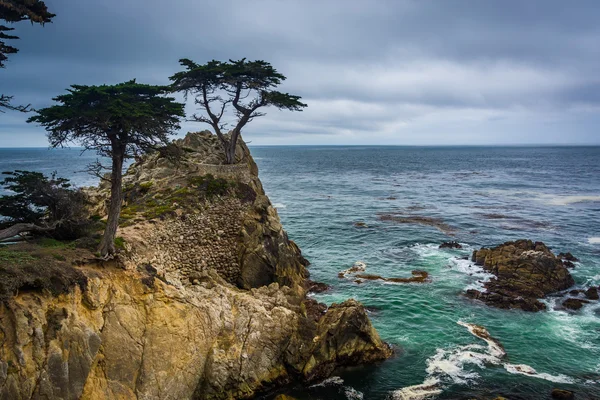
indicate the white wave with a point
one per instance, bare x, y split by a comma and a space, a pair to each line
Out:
526, 370
353, 394
334, 380
468, 267
422, 391
279, 205
594, 240
562, 200
447, 366
349, 391
494, 347
358, 266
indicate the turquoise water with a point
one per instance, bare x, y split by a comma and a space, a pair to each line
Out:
548, 194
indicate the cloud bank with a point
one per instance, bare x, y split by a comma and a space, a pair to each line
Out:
386, 72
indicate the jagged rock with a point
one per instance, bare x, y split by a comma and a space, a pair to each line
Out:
525, 272
567, 256
450, 245
574, 304
562, 394
208, 301
342, 336
316, 287
592, 293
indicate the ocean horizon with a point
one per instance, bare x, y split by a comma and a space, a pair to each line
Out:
331, 204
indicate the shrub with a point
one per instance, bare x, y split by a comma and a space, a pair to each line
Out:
44, 201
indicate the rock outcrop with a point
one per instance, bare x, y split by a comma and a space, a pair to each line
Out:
207, 300
525, 272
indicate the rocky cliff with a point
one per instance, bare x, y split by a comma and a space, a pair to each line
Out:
206, 300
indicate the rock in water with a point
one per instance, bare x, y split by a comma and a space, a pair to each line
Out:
525, 272
574, 304
450, 245
592, 293
561, 394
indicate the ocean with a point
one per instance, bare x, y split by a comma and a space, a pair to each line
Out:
480, 196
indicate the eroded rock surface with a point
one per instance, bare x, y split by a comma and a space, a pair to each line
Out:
525, 272
208, 301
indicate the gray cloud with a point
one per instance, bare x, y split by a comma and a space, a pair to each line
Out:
390, 71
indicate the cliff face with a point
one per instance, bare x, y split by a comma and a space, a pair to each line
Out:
207, 300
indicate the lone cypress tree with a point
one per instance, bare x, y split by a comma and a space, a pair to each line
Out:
246, 85
118, 121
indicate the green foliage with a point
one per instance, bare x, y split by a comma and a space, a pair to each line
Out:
146, 186
52, 243
43, 201
15, 11
131, 116
210, 185
117, 121
120, 243
249, 85
9, 256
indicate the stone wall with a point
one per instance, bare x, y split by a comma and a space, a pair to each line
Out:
210, 305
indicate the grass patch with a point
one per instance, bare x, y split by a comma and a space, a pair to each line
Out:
50, 243
15, 257
120, 243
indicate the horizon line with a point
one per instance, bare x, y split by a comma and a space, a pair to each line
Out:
366, 145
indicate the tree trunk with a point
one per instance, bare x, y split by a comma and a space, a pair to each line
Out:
231, 147
107, 246
230, 153
14, 230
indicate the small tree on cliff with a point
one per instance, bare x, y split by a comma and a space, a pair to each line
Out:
12, 11
245, 85
118, 121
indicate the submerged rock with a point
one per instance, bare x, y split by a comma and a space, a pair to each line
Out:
561, 394
450, 245
420, 220
525, 272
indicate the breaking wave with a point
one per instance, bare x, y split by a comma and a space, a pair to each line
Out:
447, 366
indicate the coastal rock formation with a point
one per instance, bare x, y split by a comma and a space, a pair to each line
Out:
206, 301
525, 272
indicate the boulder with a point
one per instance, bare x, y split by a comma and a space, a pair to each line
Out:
574, 304
525, 271
316, 287
567, 256
592, 293
450, 245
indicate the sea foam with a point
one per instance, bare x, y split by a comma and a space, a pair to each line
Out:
594, 240
447, 366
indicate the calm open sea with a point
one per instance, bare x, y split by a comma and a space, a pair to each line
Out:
488, 195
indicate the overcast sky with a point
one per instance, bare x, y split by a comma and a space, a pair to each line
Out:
371, 72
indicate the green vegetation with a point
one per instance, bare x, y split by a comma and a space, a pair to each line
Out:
210, 185
117, 121
13, 11
249, 86
120, 243
15, 257
42, 204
